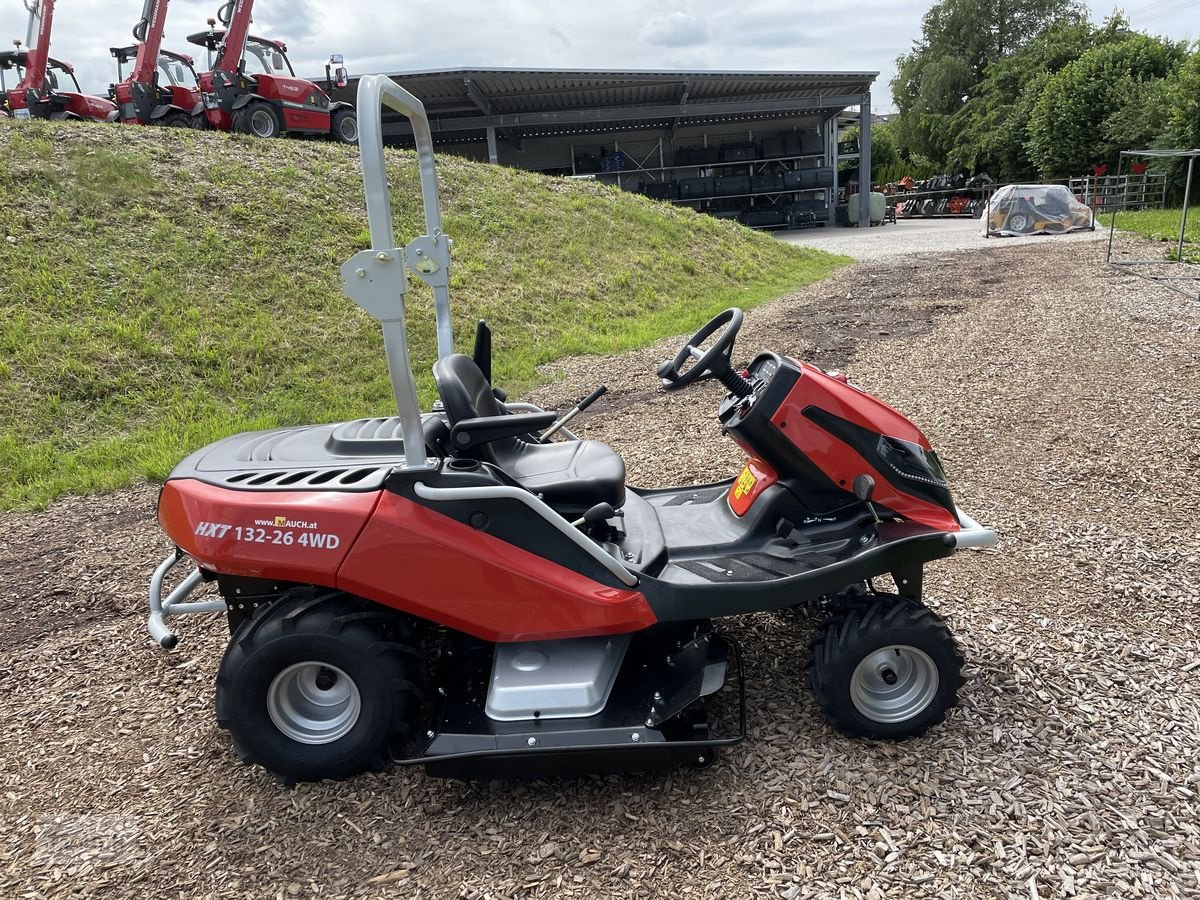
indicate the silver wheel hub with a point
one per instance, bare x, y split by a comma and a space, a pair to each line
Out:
314, 703
262, 123
894, 684
349, 129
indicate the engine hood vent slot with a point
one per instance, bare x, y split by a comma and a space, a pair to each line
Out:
359, 479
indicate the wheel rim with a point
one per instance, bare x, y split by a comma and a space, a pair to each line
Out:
348, 129
894, 684
1018, 222
262, 123
314, 703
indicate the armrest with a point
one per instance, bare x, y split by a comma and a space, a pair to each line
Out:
470, 433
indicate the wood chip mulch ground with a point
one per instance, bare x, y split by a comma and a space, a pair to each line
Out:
1064, 400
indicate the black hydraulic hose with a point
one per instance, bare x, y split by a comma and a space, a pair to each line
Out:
139, 30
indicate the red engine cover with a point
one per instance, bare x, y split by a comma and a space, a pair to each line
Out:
314, 116
300, 536
439, 569
88, 107
185, 98
395, 552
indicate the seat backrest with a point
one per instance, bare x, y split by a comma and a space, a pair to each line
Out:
467, 394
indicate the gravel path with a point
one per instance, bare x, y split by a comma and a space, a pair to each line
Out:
909, 236
1063, 400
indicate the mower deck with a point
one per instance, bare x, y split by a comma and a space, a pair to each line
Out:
652, 718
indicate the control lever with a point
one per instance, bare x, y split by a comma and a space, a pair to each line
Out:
573, 412
597, 515
864, 488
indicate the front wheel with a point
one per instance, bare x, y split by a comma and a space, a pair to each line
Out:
343, 125
258, 118
886, 669
175, 119
319, 685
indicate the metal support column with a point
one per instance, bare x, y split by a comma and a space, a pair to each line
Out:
864, 162
493, 158
1187, 198
831, 159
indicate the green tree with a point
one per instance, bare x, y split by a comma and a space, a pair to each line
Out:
1084, 114
883, 145
1012, 141
990, 131
960, 39
1183, 129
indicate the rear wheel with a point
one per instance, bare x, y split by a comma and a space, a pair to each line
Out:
886, 668
343, 125
258, 118
175, 119
319, 685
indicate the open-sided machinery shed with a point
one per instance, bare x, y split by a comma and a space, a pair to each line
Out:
666, 133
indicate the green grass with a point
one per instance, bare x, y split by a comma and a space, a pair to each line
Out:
1163, 225
164, 288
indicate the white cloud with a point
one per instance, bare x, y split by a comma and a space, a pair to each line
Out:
376, 35
676, 29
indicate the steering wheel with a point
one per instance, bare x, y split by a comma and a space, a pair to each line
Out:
710, 363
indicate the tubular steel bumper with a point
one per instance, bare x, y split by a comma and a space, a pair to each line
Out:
174, 603
973, 535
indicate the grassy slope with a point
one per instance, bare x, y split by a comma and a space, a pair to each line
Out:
164, 288
1163, 225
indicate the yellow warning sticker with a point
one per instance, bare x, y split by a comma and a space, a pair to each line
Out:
745, 484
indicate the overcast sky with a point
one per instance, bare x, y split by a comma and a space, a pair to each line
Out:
818, 35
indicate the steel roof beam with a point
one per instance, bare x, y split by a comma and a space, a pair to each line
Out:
628, 114
683, 99
484, 104
478, 97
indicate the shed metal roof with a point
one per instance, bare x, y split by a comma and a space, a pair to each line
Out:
462, 103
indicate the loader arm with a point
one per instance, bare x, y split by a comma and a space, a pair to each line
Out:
140, 94
41, 12
149, 33
235, 15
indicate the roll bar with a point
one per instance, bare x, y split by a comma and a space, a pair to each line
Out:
377, 279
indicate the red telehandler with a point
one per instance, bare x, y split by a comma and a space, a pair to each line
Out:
44, 86
252, 88
162, 87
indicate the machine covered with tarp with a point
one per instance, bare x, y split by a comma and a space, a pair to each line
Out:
1035, 209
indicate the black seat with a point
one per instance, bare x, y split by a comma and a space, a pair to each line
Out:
571, 476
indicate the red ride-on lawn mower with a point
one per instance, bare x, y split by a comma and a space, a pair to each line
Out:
458, 590
251, 86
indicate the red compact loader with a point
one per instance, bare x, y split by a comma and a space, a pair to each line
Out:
251, 87
46, 88
162, 86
